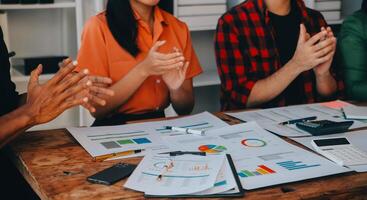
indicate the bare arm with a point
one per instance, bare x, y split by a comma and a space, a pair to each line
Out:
309, 54
154, 64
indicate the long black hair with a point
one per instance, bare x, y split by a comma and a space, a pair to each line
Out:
122, 23
364, 6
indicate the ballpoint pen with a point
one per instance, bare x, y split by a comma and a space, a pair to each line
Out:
298, 120
118, 154
186, 130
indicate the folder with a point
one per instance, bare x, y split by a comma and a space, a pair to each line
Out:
239, 193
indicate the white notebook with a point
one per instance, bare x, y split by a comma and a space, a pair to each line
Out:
355, 112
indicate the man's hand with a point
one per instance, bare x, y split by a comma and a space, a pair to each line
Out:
324, 68
312, 52
65, 90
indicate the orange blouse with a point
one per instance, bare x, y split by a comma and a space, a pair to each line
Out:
103, 56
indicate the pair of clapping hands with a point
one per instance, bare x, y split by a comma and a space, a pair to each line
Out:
315, 52
172, 66
65, 90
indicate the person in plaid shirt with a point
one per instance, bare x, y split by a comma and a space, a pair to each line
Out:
274, 53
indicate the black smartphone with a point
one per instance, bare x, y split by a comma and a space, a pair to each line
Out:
113, 174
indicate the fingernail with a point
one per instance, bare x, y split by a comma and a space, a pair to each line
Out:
93, 110
75, 63
103, 103
89, 83
85, 71
85, 99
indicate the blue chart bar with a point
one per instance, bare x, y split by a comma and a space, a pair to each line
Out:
294, 165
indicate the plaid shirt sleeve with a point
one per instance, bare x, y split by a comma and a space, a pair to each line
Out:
233, 64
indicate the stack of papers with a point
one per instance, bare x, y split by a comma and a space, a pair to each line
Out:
163, 175
270, 119
355, 112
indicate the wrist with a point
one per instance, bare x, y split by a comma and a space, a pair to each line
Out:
141, 70
322, 76
295, 67
29, 114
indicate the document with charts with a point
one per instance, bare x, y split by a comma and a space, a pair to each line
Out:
98, 141
261, 158
270, 118
175, 175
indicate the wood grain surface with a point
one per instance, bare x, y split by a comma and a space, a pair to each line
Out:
56, 167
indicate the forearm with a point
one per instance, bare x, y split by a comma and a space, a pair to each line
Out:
13, 124
123, 90
183, 99
326, 84
267, 89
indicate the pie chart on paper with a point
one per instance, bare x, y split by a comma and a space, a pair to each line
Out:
212, 149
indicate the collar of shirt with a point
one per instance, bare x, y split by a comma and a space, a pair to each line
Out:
159, 22
299, 4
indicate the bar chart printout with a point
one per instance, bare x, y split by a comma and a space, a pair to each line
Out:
262, 170
295, 165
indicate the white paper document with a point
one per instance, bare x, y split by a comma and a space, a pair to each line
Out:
270, 119
261, 158
355, 112
98, 141
356, 138
188, 174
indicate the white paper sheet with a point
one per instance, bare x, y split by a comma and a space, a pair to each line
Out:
261, 158
190, 174
355, 112
270, 118
113, 139
356, 138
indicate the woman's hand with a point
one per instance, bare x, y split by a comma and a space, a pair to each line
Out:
158, 63
175, 77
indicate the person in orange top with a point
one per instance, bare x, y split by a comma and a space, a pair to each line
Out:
147, 53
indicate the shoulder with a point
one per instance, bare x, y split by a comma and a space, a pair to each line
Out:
97, 22
355, 24
240, 14
316, 16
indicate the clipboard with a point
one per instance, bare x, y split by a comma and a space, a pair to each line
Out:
241, 192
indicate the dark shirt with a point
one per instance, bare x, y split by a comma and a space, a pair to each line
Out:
246, 52
9, 97
286, 32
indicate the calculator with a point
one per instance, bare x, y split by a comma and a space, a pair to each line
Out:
340, 151
324, 127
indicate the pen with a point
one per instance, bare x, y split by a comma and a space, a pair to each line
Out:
118, 154
186, 130
298, 120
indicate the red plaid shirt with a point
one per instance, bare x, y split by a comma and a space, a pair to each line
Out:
246, 52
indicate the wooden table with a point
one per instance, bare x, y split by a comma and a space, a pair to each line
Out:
56, 167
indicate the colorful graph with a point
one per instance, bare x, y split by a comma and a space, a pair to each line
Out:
253, 142
211, 148
262, 170
119, 143
295, 165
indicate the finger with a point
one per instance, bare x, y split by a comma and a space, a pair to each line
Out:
89, 107
71, 81
65, 62
170, 67
171, 61
34, 79
302, 34
71, 103
326, 58
323, 44
77, 90
157, 45
100, 80
169, 56
102, 91
95, 99
324, 51
317, 38
308, 36
184, 69
64, 71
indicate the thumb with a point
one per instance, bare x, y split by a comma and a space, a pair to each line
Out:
302, 34
35, 76
157, 45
